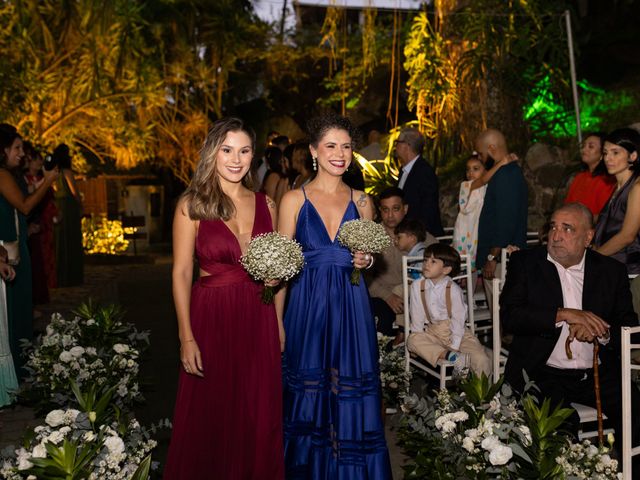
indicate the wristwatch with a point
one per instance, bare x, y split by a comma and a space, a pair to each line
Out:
491, 258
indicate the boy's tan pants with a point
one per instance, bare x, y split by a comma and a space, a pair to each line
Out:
431, 343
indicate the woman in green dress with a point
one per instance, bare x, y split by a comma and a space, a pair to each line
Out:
68, 230
15, 204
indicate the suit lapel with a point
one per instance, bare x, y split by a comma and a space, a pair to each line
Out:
551, 278
589, 290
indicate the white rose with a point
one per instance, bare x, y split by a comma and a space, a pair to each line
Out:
66, 356
77, 351
448, 426
490, 443
55, 418
121, 348
91, 321
500, 455
39, 451
115, 445
460, 416
468, 445
89, 436
472, 433
91, 351
55, 437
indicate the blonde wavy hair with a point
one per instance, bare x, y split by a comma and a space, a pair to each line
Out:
204, 195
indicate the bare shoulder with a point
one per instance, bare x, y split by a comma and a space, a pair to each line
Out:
293, 199
182, 207
362, 199
364, 204
270, 203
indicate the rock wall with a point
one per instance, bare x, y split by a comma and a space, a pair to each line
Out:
547, 170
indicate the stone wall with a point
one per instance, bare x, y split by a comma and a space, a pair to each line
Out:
547, 170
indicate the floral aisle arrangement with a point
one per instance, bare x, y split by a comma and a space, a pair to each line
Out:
97, 442
363, 236
272, 256
395, 379
483, 432
95, 347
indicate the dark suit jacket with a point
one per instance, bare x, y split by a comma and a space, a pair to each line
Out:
532, 295
503, 219
422, 195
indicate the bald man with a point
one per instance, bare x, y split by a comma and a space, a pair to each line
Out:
503, 220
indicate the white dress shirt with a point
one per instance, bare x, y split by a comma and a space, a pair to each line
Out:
435, 295
572, 281
405, 172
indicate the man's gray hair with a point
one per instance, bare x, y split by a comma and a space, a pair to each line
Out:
414, 139
580, 209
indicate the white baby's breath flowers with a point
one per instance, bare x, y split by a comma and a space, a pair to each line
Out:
272, 256
363, 235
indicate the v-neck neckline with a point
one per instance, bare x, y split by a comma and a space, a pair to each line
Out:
253, 226
324, 226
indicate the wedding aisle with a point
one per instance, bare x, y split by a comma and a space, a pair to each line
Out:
144, 291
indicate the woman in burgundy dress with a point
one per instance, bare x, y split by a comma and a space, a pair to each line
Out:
228, 415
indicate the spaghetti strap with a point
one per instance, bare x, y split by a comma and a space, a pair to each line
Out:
303, 192
351, 193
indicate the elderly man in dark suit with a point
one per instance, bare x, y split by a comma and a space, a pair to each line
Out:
567, 293
418, 181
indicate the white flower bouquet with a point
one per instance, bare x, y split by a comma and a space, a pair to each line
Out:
272, 256
94, 348
363, 236
394, 378
483, 432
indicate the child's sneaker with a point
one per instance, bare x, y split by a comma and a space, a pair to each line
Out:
460, 362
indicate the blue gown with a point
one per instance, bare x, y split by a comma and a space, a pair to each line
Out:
332, 409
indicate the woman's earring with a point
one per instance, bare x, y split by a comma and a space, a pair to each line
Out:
315, 163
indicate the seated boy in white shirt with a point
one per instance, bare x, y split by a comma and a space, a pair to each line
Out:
439, 312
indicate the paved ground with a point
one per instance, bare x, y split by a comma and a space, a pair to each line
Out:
144, 290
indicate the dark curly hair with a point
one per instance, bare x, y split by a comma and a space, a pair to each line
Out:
318, 126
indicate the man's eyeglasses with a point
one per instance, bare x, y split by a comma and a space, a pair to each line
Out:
396, 142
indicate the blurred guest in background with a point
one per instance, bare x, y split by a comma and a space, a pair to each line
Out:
68, 232
593, 186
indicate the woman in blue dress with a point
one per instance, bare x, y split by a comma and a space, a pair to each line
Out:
332, 408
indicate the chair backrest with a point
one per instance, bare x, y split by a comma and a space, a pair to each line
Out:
628, 451
496, 330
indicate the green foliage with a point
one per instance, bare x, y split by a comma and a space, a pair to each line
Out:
549, 117
547, 440
471, 63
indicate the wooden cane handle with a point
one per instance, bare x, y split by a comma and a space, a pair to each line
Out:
567, 348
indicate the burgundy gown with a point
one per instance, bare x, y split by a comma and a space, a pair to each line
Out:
228, 425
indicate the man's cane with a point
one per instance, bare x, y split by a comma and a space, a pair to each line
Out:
596, 383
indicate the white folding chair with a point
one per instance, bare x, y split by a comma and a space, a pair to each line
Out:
628, 450
447, 238
499, 354
443, 371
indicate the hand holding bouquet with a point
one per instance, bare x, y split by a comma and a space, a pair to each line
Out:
272, 256
363, 236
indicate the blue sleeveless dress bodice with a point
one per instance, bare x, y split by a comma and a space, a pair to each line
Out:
332, 412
